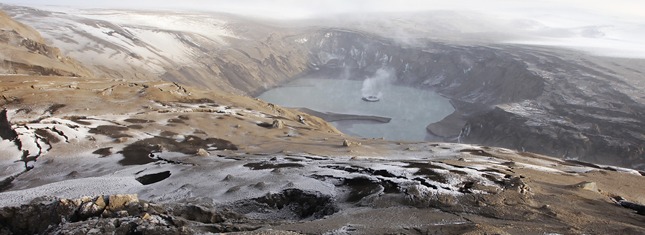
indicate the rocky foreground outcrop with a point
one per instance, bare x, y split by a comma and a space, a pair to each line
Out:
461, 189
116, 214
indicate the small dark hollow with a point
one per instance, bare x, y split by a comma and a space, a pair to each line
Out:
111, 131
302, 203
467, 187
24, 110
104, 152
609, 168
73, 174
293, 159
138, 154
52, 109
198, 101
137, 121
432, 175
167, 133
390, 186
476, 152
265, 124
51, 138
153, 178
384, 173
581, 163
176, 120
425, 183
137, 127
458, 172
264, 166
361, 187
422, 165
493, 179
79, 120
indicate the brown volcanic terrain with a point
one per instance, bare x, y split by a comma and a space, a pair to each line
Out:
25, 52
201, 161
551, 101
214, 51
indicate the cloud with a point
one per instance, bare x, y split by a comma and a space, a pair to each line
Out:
614, 28
628, 9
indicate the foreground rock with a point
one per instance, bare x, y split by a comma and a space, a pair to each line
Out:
435, 188
116, 214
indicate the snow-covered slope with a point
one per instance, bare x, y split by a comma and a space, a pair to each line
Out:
191, 48
24, 51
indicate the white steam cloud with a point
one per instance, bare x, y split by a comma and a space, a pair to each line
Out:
374, 85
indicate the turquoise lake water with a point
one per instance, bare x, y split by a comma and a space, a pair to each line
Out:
411, 109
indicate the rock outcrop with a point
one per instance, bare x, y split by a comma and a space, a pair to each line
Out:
6, 131
116, 214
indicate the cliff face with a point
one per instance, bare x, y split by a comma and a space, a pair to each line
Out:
24, 52
529, 99
475, 74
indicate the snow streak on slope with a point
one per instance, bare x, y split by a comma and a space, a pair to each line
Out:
147, 41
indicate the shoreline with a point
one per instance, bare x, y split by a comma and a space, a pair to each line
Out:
333, 117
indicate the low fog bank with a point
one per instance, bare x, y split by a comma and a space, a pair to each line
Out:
584, 31
615, 28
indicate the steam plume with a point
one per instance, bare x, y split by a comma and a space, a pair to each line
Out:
374, 86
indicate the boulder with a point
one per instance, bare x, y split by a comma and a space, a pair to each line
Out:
349, 143
586, 185
202, 152
277, 124
121, 201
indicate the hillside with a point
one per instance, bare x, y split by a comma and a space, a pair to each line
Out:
552, 101
25, 52
214, 51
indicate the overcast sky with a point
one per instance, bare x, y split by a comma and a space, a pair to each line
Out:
624, 9
605, 27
